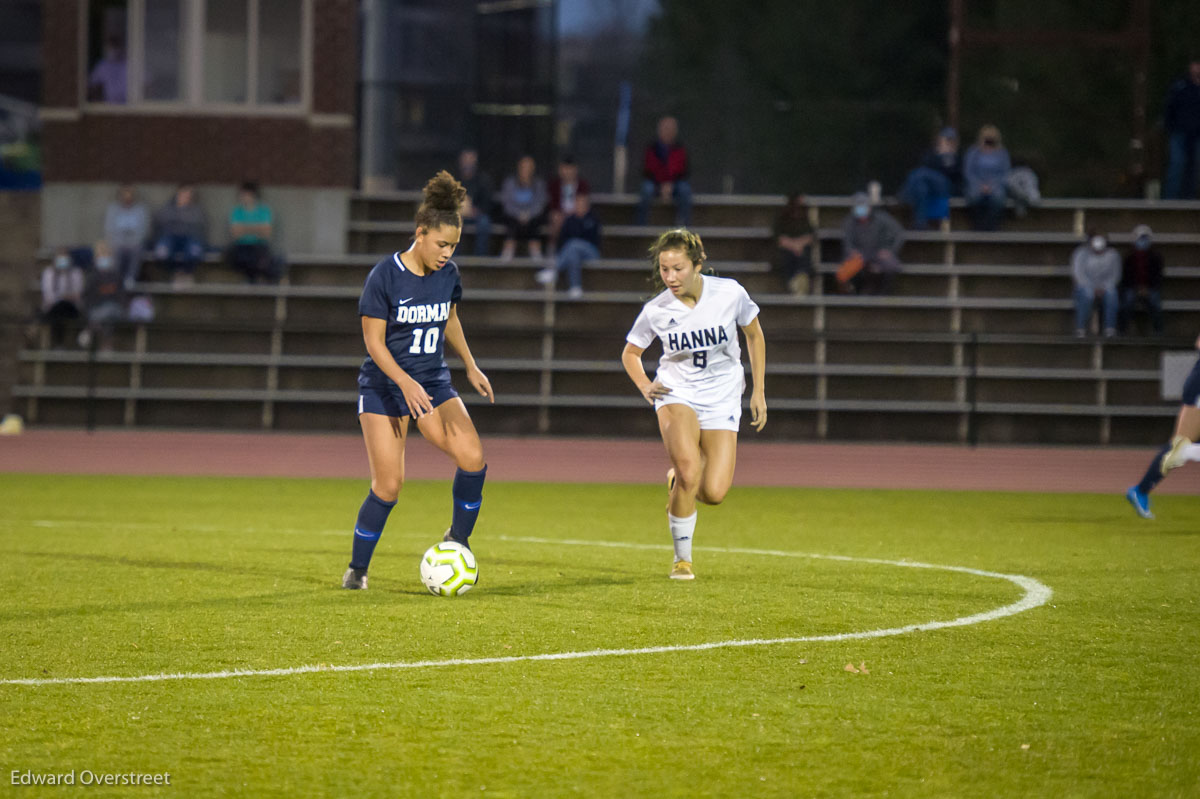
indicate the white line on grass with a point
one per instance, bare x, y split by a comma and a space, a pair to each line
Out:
1036, 594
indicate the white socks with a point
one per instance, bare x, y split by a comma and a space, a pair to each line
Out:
682, 530
1191, 452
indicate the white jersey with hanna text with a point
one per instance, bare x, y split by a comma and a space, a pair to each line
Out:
701, 361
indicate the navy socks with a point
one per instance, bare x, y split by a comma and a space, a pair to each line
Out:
467, 492
1154, 474
372, 516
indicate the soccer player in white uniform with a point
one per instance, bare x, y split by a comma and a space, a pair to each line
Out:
697, 390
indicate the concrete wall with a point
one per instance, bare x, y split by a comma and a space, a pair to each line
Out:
307, 220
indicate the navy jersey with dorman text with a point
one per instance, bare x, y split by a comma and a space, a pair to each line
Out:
416, 308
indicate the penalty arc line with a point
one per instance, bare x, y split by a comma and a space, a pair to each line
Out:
1036, 594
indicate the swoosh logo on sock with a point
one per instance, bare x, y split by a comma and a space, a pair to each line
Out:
471, 505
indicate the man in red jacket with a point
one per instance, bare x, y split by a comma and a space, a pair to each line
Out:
666, 171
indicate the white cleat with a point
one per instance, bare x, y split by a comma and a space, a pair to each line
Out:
1177, 456
355, 579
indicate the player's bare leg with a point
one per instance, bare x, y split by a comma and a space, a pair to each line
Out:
720, 455
385, 438
681, 435
450, 429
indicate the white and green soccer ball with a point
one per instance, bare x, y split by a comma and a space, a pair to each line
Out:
449, 569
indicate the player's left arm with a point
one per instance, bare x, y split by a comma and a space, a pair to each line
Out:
756, 345
458, 341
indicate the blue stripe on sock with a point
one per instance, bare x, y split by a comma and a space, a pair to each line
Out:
467, 494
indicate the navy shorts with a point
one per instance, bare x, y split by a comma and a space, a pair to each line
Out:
1191, 387
388, 401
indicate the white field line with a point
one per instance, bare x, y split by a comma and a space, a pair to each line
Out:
1036, 594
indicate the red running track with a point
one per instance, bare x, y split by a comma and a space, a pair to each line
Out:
1093, 470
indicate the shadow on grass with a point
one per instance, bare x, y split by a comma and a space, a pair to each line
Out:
146, 563
144, 607
558, 586
561, 586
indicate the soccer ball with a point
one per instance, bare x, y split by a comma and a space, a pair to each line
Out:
449, 569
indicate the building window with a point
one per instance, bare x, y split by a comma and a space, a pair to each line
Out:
214, 54
280, 30
226, 33
162, 55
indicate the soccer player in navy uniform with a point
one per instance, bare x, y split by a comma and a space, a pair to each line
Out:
409, 309
1183, 447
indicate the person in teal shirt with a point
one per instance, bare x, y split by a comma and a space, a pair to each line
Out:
251, 227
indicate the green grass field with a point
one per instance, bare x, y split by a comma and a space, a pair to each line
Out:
1095, 693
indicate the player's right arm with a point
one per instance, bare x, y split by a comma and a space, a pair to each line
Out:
631, 359
375, 337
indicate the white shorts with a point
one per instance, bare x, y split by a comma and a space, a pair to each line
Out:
725, 415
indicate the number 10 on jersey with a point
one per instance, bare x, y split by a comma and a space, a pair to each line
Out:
430, 336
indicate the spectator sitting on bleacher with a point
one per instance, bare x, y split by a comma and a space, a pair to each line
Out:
563, 188
929, 187
1095, 268
986, 170
578, 243
182, 235
477, 207
793, 246
523, 200
62, 295
1141, 281
665, 169
126, 228
251, 226
871, 242
104, 297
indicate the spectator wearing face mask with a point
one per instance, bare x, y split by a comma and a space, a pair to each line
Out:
1141, 281
62, 295
985, 170
105, 297
871, 242
1096, 268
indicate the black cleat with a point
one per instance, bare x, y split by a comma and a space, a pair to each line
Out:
448, 537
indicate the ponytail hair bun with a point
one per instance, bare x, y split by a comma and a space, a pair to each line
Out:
442, 198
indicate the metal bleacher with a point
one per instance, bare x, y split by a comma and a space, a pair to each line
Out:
972, 347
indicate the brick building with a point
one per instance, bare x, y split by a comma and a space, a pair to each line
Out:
212, 92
